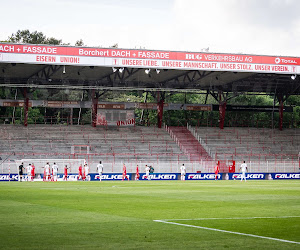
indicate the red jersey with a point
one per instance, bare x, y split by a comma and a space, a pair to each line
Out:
65, 171
124, 173
32, 170
217, 169
80, 170
137, 172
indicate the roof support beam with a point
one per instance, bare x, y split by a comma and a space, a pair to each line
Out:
45, 73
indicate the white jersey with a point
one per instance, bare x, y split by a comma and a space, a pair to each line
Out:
54, 169
28, 168
86, 170
47, 169
182, 169
147, 169
244, 167
100, 168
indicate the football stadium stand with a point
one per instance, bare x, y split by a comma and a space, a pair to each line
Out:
166, 149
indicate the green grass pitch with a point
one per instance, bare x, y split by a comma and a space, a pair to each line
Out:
121, 215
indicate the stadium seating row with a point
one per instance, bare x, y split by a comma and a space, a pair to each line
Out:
265, 150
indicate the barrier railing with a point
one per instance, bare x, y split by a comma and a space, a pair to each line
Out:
164, 166
200, 140
258, 143
176, 139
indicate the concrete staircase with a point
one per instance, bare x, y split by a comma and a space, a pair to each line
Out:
189, 144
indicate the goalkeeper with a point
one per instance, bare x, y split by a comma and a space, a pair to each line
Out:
151, 170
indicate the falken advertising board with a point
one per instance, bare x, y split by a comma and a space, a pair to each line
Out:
285, 176
165, 176
249, 176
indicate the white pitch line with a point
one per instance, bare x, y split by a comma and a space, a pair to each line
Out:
236, 218
230, 232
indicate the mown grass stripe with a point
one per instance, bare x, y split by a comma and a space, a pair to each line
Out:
225, 231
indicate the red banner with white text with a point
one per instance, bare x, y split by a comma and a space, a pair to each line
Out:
111, 57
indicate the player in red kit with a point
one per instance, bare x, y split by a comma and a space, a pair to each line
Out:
137, 174
83, 173
80, 173
32, 171
217, 170
65, 173
124, 176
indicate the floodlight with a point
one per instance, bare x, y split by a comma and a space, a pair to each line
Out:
293, 77
64, 70
147, 71
114, 69
157, 71
121, 70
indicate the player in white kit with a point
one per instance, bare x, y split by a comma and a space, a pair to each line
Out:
183, 172
47, 172
147, 170
100, 170
86, 172
54, 171
244, 169
28, 169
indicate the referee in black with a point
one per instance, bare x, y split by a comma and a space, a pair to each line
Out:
21, 168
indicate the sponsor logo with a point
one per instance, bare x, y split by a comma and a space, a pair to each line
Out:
145, 177
72, 177
6, 177
287, 176
163, 177
93, 177
112, 177
281, 60
277, 60
249, 176
75, 177
124, 123
160, 177
288, 61
193, 56
202, 176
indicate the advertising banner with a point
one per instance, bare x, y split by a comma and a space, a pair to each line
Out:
202, 176
285, 176
107, 105
253, 108
115, 117
111, 57
164, 176
249, 176
8, 177
110, 177
160, 177
95, 177
188, 176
